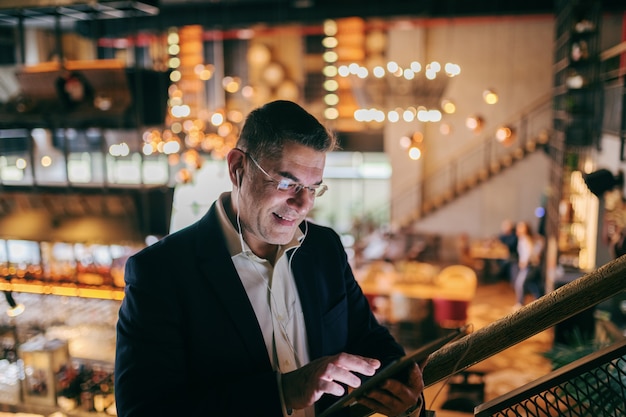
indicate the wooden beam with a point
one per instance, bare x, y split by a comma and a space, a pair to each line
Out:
545, 312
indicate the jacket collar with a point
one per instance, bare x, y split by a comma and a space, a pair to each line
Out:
217, 267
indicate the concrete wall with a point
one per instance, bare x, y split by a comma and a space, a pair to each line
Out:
512, 55
513, 194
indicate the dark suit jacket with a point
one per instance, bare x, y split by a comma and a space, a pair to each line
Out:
188, 342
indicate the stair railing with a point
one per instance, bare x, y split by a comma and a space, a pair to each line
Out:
476, 163
470, 165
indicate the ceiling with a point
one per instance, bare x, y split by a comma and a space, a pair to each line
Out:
237, 13
113, 15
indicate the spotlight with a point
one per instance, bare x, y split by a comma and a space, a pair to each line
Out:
14, 309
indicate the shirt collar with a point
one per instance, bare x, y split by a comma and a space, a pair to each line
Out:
231, 234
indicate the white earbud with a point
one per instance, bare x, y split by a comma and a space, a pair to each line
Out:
238, 178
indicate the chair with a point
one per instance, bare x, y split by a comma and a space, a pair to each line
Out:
458, 285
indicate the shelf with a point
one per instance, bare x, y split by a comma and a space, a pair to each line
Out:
581, 63
67, 290
110, 91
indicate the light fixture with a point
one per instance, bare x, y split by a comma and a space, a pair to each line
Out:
474, 123
445, 129
413, 144
448, 106
505, 135
490, 96
379, 79
14, 309
415, 153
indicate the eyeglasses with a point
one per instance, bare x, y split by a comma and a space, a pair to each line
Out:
290, 186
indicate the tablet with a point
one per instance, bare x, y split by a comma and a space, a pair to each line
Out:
418, 356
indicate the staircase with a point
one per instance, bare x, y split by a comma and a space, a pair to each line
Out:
473, 166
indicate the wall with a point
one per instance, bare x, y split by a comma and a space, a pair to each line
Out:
512, 55
513, 194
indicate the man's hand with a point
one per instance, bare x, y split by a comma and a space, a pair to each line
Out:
393, 397
304, 386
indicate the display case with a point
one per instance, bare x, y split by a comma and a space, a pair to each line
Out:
578, 213
62, 268
42, 360
572, 210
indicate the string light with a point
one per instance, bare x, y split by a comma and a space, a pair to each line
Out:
330, 42
191, 128
412, 73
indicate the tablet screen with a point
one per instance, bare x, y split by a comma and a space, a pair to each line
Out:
418, 356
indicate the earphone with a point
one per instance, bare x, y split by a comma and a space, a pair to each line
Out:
271, 300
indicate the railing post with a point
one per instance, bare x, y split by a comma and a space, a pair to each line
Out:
454, 176
523, 130
488, 155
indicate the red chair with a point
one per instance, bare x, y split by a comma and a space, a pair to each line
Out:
458, 286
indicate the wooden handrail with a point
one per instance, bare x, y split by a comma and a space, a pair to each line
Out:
545, 312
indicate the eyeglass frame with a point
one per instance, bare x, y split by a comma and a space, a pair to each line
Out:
287, 185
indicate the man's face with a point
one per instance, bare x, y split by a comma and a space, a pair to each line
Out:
270, 216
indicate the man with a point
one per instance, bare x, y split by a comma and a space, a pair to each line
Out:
254, 311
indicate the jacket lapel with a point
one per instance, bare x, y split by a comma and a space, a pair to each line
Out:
218, 269
304, 271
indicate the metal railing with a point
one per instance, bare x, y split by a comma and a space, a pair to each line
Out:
592, 386
472, 165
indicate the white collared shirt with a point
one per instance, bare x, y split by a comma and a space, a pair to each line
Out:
274, 298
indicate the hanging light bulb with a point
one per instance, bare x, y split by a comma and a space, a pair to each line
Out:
415, 153
505, 135
474, 123
405, 142
448, 106
414, 145
490, 96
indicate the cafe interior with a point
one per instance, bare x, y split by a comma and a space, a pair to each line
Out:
454, 119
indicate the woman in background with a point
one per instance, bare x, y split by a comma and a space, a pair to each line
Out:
529, 250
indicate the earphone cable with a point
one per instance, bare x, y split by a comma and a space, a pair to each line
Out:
454, 369
272, 300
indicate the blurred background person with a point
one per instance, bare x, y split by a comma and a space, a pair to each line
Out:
529, 250
507, 268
